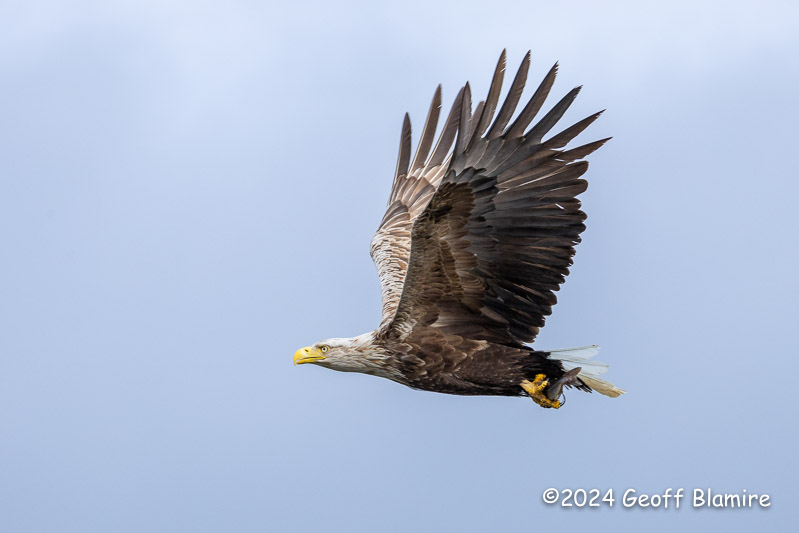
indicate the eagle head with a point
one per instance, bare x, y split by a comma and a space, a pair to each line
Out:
354, 354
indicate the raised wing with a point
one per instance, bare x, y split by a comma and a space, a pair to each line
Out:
415, 182
497, 238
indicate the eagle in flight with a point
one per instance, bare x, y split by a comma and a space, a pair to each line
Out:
478, 234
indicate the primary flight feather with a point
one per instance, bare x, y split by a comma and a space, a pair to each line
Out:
479, 232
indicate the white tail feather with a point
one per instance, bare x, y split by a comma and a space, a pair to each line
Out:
590, 370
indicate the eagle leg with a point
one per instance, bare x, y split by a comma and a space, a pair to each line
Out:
545, 394
536, 389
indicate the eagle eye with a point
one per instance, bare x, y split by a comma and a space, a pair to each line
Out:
324, 348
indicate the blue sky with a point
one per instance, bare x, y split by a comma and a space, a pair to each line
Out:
187, 194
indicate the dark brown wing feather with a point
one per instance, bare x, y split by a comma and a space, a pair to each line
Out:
496, 239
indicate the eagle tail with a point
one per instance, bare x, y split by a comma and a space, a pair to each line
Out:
589, 370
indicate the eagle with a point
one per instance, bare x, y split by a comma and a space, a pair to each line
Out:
478, 234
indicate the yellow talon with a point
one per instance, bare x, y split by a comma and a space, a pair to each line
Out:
536, 388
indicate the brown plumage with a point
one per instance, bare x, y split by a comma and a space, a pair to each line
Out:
476, 239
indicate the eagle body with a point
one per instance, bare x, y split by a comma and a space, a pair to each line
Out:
478, 234
470, 368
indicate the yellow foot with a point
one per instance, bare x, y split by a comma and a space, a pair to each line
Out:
536, 391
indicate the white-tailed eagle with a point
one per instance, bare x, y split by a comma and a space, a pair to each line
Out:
478, 234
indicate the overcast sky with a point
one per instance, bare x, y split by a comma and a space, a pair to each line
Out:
187, 194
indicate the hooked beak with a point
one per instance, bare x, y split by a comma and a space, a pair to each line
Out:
309, 354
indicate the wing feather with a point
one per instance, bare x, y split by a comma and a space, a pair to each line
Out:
404, 157
465, 122
533, 105
428, 133
511, 100
447, 134
474, 123
492, 99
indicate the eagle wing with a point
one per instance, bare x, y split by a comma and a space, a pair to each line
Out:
495, 239
415, 182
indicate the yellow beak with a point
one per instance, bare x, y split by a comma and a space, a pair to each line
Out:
309, 354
